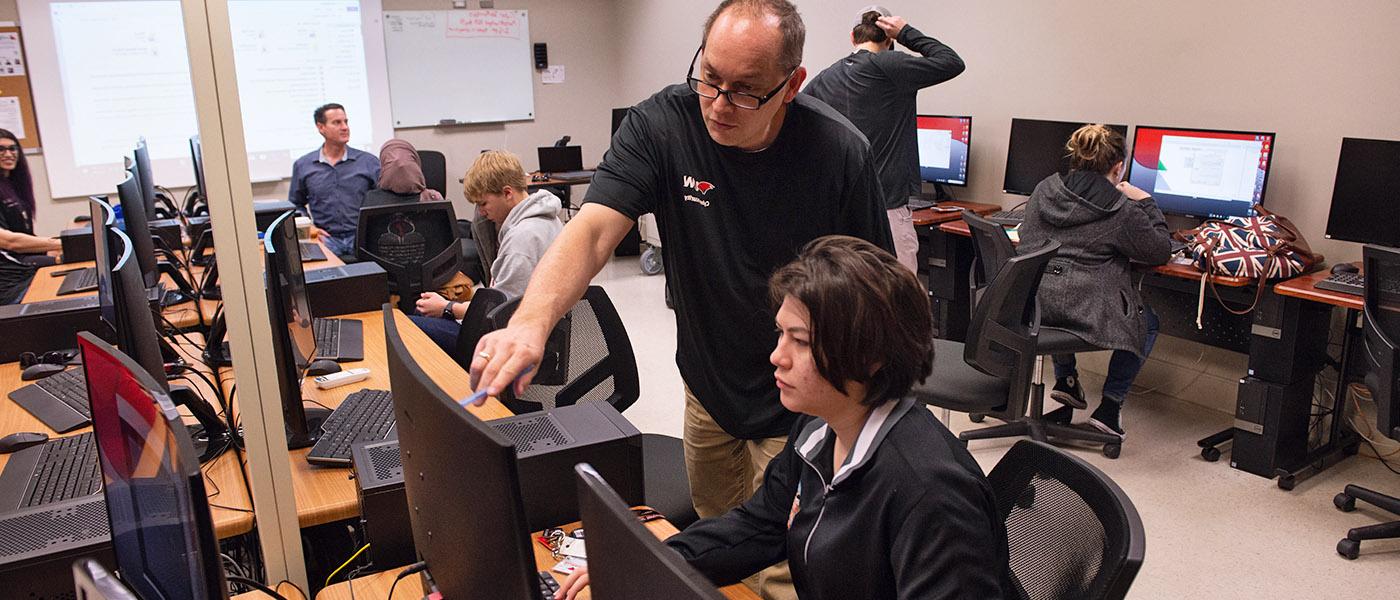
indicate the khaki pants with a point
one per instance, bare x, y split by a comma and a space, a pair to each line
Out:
906, 241
724, 472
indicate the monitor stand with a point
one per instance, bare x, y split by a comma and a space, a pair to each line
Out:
210, 435
940, 193
315, 417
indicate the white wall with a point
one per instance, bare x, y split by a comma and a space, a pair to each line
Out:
576, 31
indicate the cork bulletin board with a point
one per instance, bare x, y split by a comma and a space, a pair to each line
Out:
16, 101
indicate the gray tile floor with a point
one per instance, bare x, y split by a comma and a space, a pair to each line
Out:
1212, 531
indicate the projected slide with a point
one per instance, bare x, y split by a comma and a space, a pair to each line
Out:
106, 73
943, 147
1201, 173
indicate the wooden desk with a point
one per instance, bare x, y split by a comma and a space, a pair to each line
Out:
327, 494
929, 216
377, 585
229, 502
290, 592
1305, 287
959, 227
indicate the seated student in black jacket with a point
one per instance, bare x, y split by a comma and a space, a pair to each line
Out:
872, 497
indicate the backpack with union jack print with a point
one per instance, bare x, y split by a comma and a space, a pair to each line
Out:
1264, 247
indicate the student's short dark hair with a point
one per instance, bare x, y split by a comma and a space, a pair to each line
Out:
790, 25
865, 310
867, 30
320, 114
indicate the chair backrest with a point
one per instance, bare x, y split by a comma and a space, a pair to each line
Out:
991, 248
434, 170
588, 358
1381, 334
487, 240
415, 243
1071, 531
476, 323
1001, 336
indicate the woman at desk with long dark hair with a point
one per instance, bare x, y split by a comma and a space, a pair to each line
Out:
1102, 223
872, 497
20, 249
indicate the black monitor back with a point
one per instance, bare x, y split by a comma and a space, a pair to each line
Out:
1037, 150
618, 114
137, 226
162, 532
557, 159
141, 158
293, 337
1364, 195
1381, 334
625, 561
197, 158
123, 300
481, 547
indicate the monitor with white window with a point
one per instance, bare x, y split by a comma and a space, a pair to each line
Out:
1202, 172
944, 142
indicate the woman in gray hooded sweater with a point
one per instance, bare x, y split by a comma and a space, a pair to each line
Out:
1102, 224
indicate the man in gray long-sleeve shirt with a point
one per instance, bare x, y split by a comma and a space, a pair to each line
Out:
876, 89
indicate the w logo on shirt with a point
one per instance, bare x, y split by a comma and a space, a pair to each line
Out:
700, 186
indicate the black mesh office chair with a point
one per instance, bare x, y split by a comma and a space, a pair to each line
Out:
434, 170
1070, 530
990, 373
487, 242
415, 243
992, 247
1381, 349
476, 323
589, 358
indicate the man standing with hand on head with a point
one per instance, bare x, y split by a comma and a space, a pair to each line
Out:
741, 171
876, 88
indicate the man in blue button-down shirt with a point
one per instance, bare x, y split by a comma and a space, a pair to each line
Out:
329, 184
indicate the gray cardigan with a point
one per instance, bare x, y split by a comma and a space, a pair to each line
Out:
1087, 288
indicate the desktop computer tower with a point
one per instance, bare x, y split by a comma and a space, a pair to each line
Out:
548, 445
169, 231
77, 244
356, 287
1280, 351
1271, 425
39, 545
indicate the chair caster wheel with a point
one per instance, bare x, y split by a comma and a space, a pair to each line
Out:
1211, 454
1112, 450
976, 417
1349, 548
1027, 498
1286, 482
651, 261
1344, 503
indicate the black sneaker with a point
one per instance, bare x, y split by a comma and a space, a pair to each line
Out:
1108, 418
1068, 392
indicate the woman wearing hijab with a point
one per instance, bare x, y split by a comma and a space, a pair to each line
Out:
20, 249
400, 177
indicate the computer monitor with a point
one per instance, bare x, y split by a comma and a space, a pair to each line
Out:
162, 533
1381, 334
1037, 150
293, 339
559, 159
121, 296
197, 159
480, 548
137, 226
141, 158
944, 144
1365, 194
618, 114
1202, 172
625, 561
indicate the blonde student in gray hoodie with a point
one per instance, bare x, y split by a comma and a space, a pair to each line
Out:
526, 224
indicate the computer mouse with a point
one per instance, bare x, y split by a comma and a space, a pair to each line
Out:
21, 440
322, 367
40, 371
1345, 268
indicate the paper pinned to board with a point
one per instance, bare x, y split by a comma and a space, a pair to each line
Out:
10, 116
11, 55
553, 74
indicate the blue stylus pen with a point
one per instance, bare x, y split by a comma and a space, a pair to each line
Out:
481, 393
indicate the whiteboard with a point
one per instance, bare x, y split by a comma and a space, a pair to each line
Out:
450, 67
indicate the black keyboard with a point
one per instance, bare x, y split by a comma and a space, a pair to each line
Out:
1006, 217
920, 204
67, 469
572, 175
547, 585
68, 387
327, 336
1346, 283
364, 416
311, 252
82, 280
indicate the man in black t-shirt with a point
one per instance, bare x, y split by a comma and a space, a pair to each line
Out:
876, 88
740, 172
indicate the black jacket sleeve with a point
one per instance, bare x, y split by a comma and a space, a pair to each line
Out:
946, 548
751, 537
935, 64
1144, 237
